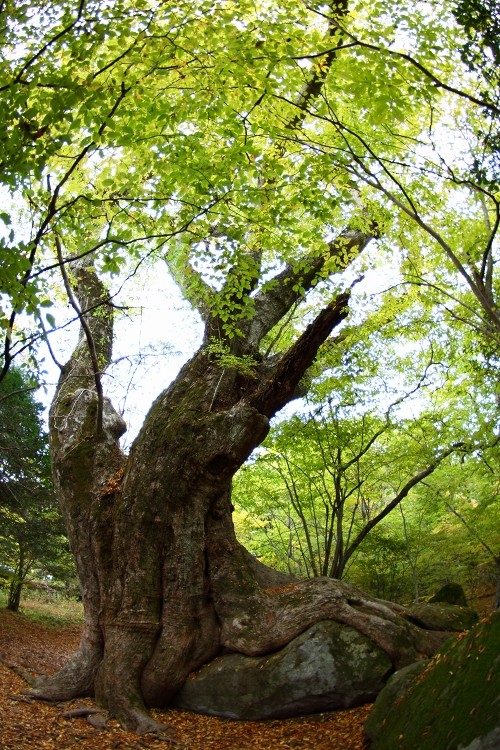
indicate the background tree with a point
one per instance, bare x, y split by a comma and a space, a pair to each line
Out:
325, 478
31, 528
480, 20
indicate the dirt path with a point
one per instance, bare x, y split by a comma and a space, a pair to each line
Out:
33, 725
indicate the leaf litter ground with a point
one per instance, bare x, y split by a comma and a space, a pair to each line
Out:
33, 647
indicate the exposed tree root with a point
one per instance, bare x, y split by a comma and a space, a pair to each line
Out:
27, 676
74, 680
74, 713
257, 620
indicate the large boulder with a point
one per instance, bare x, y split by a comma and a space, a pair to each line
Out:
450, 702
452, 593
329, 666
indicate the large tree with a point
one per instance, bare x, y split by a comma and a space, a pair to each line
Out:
188, 132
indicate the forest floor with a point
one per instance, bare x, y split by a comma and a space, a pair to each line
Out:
41, 645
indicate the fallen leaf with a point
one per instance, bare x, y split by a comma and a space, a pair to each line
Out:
26, 724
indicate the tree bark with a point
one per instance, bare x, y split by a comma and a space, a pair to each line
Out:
165, 584
16, 584
14, 598
86, 466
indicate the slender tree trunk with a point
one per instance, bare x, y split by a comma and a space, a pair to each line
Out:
14, 598
16, 585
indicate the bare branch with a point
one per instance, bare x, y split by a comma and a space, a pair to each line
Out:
473, 532
416, 479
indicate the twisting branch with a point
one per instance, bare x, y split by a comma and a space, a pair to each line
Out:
438, 83
46, 339
474, 281
363, 173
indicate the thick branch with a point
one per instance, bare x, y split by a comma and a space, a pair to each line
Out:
312, 88
310, 268
274, 301
283, 380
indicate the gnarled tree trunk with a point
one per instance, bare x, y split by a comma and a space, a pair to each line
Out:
166, 586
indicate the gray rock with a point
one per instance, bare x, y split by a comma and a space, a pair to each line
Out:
490, 742
329, 666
